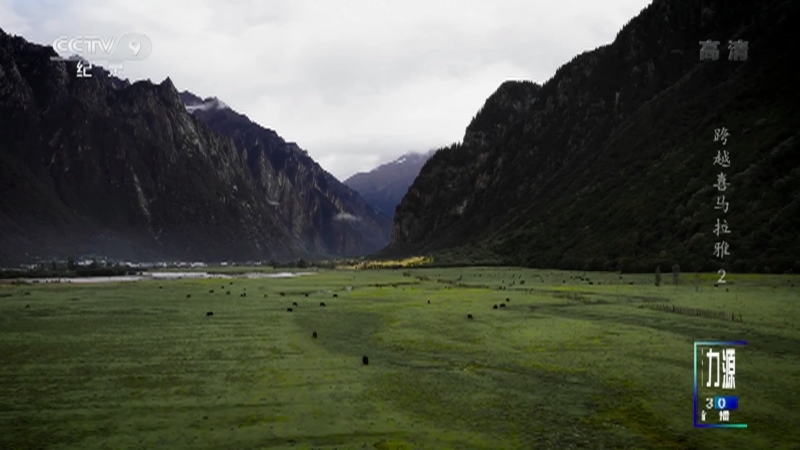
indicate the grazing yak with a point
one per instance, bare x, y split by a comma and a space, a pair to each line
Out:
469, 316
321, 303
188, 295
294, 304
209, 314
314, 335
365, 360
494, 307
289, 309
502, 305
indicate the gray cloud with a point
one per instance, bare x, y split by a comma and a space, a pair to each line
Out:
354, 82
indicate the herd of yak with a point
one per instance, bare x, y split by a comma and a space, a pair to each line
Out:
364, 359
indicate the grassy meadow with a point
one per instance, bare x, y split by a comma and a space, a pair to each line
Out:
565, 364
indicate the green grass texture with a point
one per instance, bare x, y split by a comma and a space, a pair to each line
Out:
565, 364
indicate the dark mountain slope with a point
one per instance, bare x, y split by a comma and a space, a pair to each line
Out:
314, 206
384, 186
610, 164
96, 165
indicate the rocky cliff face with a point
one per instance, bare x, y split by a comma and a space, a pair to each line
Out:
98, 165
314, 207
609, 165
384, 186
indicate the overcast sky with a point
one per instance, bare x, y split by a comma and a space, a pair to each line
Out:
355, 82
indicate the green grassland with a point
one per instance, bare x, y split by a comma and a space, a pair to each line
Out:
566, 364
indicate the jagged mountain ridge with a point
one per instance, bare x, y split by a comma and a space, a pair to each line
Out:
101, 166
384, 186
609, 164
314, 205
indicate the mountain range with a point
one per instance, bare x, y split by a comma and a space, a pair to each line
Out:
140, 171
384, 186
610, 164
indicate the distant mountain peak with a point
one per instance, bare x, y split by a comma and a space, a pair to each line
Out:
384, 186
406, 158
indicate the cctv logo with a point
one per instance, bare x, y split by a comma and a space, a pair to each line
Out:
130, 47
83, 45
